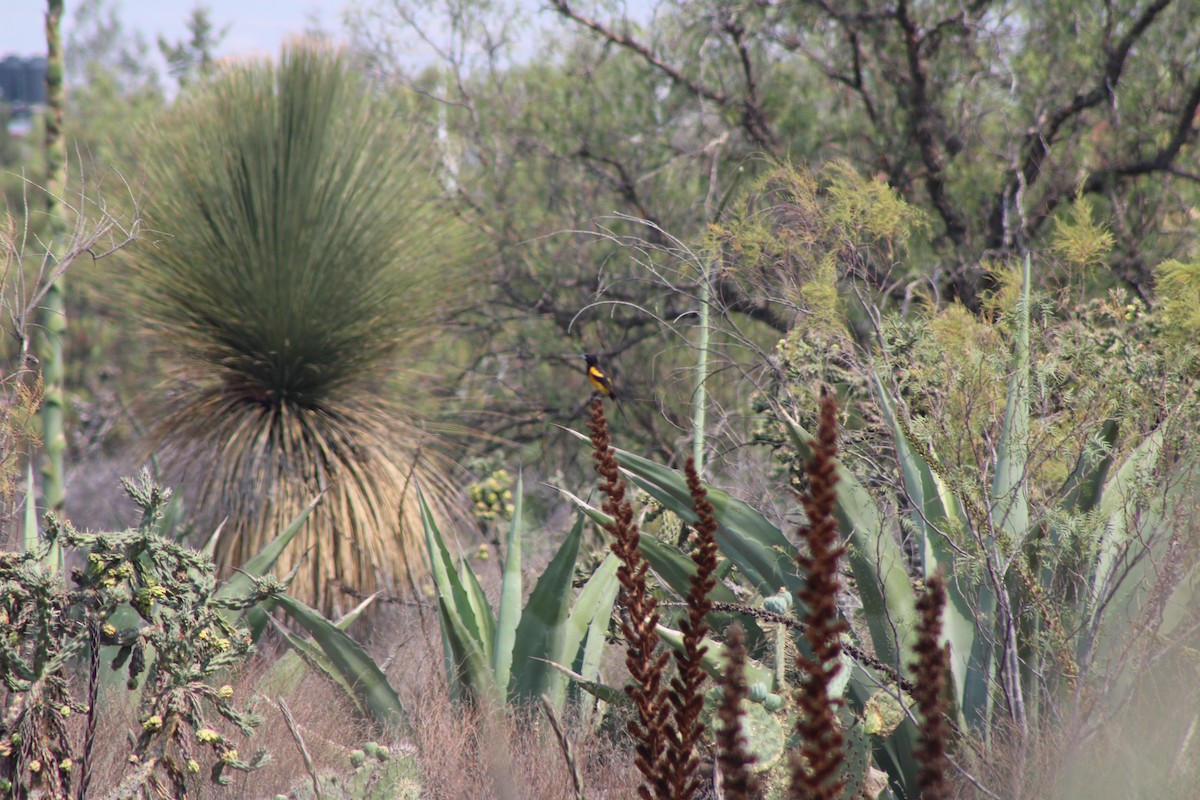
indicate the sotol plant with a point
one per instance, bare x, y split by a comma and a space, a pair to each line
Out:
303, 256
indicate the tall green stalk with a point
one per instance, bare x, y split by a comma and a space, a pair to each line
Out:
54, 320
700, 391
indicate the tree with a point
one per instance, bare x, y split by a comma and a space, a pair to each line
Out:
305, 258
988, 117
190, 59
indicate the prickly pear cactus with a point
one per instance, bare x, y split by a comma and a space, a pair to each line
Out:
377, 774
858, 755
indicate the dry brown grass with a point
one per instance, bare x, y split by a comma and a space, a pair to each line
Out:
460, 754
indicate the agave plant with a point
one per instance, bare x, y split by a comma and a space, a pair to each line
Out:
1035, 621
304, 256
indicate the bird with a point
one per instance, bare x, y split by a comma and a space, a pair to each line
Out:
602, 383
597, 378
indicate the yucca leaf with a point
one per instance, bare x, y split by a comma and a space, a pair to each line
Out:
543, 629
511, 594
348, 659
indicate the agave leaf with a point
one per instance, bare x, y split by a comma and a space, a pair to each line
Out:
889, 603
511, 592
935, 512
1084, 487
590, 618
480, 609
449, 587
1010, 494
716, 658
762, 553
1128, 568
542, 629
241, 582
601, 691
366, 679
1008, 515
676, 570
470, 670
1113, 507
285, 673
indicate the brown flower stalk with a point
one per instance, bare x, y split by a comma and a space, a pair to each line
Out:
686, 697
930, 669
738, 781
652, 730
816, 767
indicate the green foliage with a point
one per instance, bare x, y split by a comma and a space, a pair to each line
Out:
306, 258
192, 59
515, 653
176, 647
1081, 241
798, 236
1178, 286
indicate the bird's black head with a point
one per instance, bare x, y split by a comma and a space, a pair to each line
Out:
590, 359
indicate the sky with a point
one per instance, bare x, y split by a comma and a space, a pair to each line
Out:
258, 26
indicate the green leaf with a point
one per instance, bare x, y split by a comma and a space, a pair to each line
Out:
543, 629
450, 589
676, 569
889, 603
762, 553
511, 594
936, 513
716, 658
590, 618
1010, 494
241, 583
367, 681
469, 664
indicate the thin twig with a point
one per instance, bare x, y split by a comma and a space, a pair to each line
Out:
565, 744
308, 762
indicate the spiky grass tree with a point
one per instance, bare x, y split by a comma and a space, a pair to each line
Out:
303, 255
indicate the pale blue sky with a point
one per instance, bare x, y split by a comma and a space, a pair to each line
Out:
258, 26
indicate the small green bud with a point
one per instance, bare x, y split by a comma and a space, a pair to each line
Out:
154, 723
357, 758
192, 766
758, 692
773, 702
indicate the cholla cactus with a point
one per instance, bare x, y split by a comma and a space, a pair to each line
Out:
183, 639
